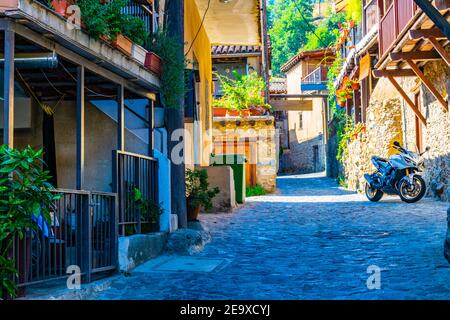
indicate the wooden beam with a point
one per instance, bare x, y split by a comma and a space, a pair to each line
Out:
426, 33
393, 73
291, 105
428, 84
414, 108
440, 49
8, 89
80, 128
433, 13
120, 118
415, 55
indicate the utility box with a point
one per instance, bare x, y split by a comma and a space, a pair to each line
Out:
237, 163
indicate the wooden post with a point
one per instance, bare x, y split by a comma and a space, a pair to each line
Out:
80, 128
120, 118
8, 88
174, 20
428, 84
408, 100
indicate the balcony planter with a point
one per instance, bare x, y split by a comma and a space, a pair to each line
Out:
219, 112
123, 44
158, 117
153, 63
138, 53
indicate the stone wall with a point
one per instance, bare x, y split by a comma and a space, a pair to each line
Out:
300, 158
390, 119
259, 132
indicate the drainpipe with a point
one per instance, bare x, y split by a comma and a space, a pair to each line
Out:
34, 60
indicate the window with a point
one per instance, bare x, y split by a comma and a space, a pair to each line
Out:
300, 121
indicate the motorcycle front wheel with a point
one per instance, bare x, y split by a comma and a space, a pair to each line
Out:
373, 194
413, 192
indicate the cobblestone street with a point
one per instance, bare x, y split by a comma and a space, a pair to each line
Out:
311, 240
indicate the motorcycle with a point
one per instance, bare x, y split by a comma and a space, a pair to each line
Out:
397, 176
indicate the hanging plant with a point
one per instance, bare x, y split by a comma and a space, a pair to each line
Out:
173, 86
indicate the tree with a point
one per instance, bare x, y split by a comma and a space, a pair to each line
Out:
289, 22
326, 33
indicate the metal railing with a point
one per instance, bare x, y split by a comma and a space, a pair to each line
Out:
318, 75
82, 233
135, 172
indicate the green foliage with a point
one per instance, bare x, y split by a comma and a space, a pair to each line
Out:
242, 92
108, 20
173, 82
289, 22
354, 11
327, 30
197, 189
255, 191
150, 211
24, 192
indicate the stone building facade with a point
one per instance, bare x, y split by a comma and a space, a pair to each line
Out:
254, 137
390, 119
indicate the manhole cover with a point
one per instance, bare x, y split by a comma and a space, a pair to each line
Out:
189, 264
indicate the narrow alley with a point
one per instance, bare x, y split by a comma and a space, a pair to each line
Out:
311, 240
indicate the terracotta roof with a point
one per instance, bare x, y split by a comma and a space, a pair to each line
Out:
278, 85
307, 54
232, 50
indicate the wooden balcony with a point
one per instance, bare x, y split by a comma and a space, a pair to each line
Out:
316, 80
393, 22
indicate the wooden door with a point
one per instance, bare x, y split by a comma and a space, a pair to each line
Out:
245, 147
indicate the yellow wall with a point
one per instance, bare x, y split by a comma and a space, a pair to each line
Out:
201, 50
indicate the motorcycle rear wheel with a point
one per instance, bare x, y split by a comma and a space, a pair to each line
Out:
411, 195
373, 194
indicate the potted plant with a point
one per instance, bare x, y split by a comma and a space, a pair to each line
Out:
198, 193
150, 212
242, 94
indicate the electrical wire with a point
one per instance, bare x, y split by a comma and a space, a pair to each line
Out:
199, 28
91, 91
308, 25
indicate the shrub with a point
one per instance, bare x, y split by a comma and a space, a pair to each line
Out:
24, 192
255, 191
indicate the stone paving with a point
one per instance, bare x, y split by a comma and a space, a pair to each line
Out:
311, 240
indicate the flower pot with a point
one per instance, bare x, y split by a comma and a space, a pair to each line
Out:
192, 213
158, 115
219, 112
245, 113
123, 44
139, 53
233, 113
341, 103
60, 6
257, 111
153, 63
355, 86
